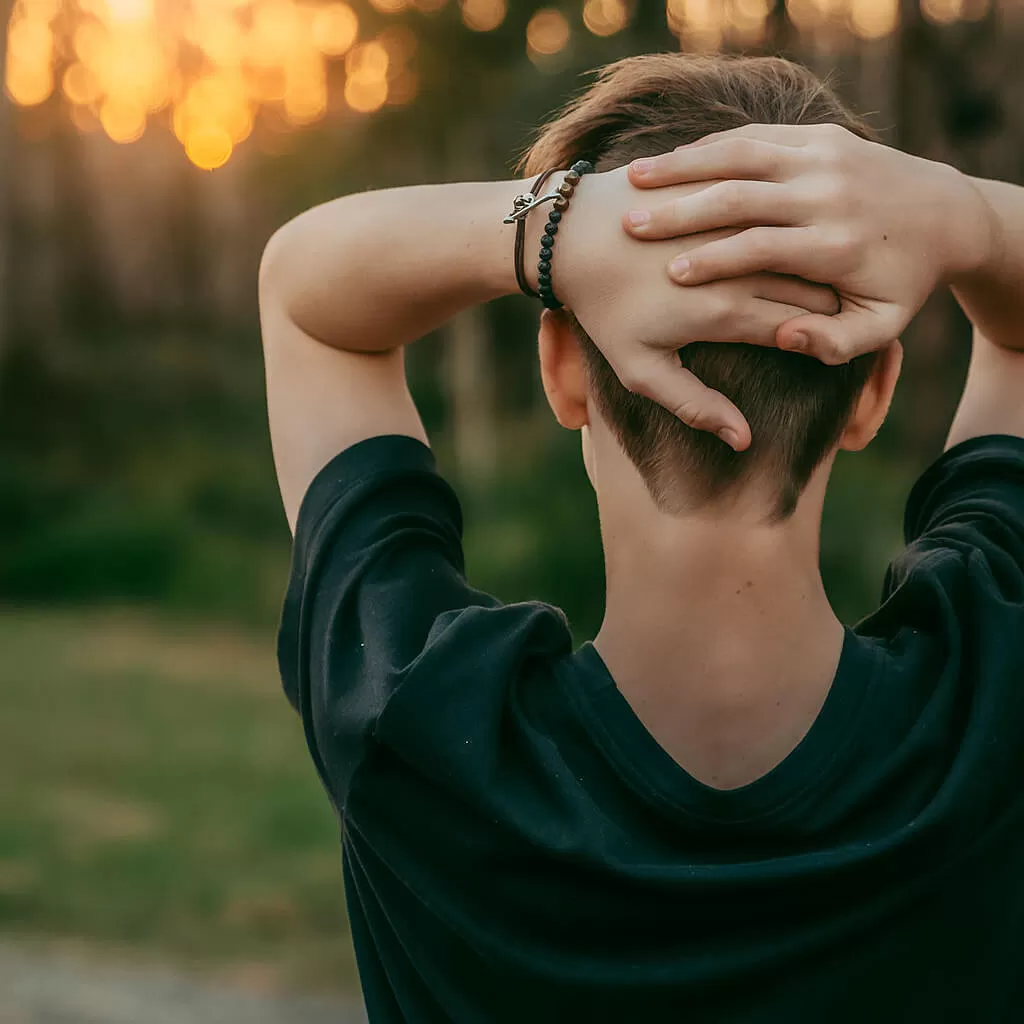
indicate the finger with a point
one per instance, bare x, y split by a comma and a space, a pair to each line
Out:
749, 320
727, 204
731, 157
779, 134
838, 339
781, 250
793, 291
665, 381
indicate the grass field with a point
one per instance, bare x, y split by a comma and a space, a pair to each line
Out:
156, 800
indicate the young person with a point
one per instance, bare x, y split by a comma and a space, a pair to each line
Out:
728, 807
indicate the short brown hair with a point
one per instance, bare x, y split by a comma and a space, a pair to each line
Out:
796, 406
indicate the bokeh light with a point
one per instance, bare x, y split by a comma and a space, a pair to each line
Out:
209, 147
483, 15
123, 119
547, 33
942, 12
335, 27
874, 19
366, 70
700, 24
210, 66
605, 17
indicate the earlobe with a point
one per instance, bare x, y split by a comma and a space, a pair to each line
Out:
562, 371
872, 406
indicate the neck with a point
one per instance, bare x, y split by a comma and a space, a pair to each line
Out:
710, 607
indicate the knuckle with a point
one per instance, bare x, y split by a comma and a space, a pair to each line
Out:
690, 412
717, 309
735, 150
730, 198
674, 211
828, 351
842, 239
635, 381
759, 246
828, 155
831, 190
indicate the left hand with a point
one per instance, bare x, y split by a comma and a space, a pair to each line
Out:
815, 201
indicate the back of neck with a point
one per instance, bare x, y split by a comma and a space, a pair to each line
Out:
711, 609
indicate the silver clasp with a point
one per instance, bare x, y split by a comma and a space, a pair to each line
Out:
523, 204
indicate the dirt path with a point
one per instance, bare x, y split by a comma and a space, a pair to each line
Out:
54, 988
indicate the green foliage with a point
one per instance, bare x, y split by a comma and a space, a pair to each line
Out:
171, 807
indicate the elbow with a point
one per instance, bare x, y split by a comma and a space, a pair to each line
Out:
273, 265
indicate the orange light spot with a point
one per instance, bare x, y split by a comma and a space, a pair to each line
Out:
483, 15
366, 94
943, 12
80, 85
123, 120
30, 40
368, 60
334, 28
28, 85
605, 17
874, 19
208, 146
547, 32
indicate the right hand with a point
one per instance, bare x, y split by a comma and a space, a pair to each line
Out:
619, 291
880, 226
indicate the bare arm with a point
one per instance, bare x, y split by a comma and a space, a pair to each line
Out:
343, 287
993, 298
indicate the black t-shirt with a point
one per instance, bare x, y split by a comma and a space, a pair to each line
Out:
517, 847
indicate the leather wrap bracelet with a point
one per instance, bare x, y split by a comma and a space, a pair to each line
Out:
525, 204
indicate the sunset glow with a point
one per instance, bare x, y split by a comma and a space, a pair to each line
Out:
207, 67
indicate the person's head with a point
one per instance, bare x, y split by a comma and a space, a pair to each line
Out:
799, 410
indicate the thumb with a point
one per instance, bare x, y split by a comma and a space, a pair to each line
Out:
675, 388
839, 338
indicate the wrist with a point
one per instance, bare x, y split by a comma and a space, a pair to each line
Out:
535, 229
973, 236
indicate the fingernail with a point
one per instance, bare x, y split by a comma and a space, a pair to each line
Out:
798, 341
638, 217
642, 166
730, 437
679, 267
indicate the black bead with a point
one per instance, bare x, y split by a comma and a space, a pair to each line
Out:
547, 241
545, 253
554, 216
551, 229
544, 280
543, 267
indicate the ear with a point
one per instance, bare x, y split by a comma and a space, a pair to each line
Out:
872, 406
562, 371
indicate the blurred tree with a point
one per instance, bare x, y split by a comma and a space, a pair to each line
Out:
7, 151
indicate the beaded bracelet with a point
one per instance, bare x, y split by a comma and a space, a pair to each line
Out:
529, 201
547, 240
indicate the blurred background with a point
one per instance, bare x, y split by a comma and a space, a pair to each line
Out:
163, 840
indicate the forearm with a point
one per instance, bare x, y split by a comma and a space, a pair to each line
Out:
992, 294
374, 271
